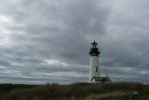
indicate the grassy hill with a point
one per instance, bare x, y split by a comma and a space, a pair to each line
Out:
77, 91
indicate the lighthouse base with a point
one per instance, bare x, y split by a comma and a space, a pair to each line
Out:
100, 79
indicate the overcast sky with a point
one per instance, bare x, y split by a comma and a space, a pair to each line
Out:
48, 40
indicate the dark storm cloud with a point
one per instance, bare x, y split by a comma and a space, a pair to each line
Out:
127, 51
4, 63
52, 30
56, 27
44, 37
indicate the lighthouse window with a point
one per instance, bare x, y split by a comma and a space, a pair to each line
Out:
96, 69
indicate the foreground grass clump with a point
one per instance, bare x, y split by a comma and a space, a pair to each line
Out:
78, 91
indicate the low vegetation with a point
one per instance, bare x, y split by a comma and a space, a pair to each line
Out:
77, 91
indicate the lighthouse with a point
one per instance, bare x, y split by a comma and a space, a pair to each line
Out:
94, 73
94, 61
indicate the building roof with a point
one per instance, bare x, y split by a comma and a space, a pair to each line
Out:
101, 79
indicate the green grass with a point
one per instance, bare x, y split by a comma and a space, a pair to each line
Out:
77, 91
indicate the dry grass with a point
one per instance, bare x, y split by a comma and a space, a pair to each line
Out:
78, 91
107, 95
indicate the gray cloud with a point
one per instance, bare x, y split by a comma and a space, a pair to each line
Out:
44, 37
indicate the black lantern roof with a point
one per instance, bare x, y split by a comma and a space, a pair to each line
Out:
94, 50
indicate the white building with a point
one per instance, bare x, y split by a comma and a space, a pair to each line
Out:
94, 75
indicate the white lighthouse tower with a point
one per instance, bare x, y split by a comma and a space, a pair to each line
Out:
94, 62
94, 76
